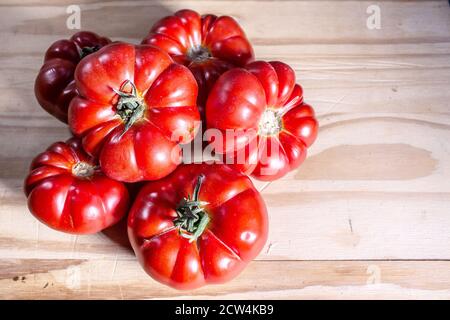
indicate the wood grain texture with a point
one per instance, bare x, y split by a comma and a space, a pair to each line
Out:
124, 279
366, 216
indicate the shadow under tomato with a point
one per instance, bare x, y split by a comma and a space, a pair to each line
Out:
118, 234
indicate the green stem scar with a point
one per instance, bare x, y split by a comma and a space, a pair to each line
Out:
85, 51
191, 217
130, 106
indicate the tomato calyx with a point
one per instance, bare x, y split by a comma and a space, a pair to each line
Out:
85, 51
199, 54
130, 106
270, 123
192, 219
83, 170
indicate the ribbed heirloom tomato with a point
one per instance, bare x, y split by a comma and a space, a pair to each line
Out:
269, 126
135, 105
208, 45
67, 191
54, 86
200, 225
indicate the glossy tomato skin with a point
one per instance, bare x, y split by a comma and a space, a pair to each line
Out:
235, 234
149, 148
186, 35
243, 100
77, 202
54, 86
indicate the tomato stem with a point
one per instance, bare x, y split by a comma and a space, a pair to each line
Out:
199, 54
130, 106
85, 51
191, 217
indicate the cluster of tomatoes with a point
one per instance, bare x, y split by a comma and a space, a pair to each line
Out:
131, 108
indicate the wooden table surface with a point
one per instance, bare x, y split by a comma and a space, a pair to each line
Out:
366, 216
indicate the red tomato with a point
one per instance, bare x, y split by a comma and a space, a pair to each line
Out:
54, 86
135, 105
264, 108
208, 45
201, 225
67, 191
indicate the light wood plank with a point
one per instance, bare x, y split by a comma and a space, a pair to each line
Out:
119, 279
